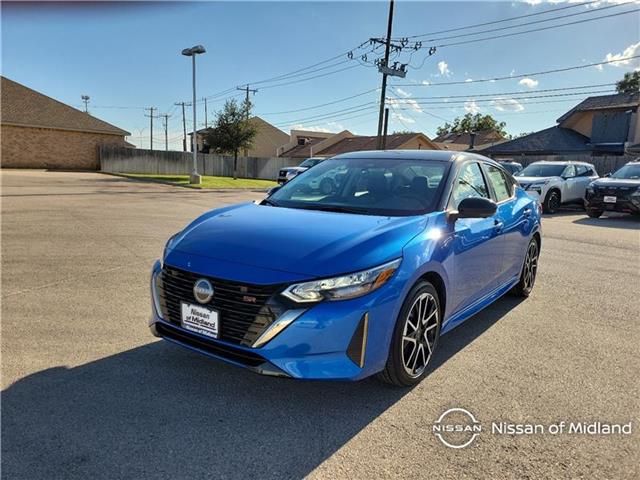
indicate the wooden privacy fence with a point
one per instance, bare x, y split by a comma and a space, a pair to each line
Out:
159, 162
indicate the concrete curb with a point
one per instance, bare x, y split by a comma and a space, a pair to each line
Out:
189, 187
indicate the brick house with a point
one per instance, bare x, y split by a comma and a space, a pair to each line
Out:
602, 125
40, 132
265, 144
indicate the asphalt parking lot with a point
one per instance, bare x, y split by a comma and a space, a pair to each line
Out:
88, 393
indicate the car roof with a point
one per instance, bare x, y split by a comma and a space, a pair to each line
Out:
561, 162
432, 155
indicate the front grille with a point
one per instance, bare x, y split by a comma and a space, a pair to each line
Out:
234, 354
621, 192
244, 310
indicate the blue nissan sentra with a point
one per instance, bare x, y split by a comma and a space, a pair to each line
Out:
355, 267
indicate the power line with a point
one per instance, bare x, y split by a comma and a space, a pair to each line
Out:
313, 107
151, 116
493, 22
401, 97
595, 10
509, 77
539, 29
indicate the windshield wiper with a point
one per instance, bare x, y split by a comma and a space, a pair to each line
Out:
266, 201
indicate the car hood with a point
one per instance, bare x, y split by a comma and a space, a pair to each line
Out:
529, 180
615, 182
307, 242
294, 169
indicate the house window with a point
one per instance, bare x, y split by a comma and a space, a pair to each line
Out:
302, 141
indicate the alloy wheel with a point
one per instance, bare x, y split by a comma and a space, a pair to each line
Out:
419, 334
530, 266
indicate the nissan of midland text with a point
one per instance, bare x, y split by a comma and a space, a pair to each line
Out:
357, 279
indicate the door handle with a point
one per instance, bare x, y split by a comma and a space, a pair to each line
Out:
497, 225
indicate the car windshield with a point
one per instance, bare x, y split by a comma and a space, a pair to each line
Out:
628, 172
388, 187
541, 170
309, 162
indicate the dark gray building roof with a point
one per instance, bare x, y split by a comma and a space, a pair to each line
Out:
615, 101
548, 141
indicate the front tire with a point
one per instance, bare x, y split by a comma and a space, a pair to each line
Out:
551, 202
529, 271
415, 337
594, 213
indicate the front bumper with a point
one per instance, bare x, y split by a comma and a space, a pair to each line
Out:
318, 344
627, 204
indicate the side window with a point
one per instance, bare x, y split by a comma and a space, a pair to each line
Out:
470, 183
582, 171
501, 186
569, 172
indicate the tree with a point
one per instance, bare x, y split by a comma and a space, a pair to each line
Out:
232, 130
630, 83
473, 123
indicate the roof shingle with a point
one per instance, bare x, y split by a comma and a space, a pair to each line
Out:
548, 141
24, 106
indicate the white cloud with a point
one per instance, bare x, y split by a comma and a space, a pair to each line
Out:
471, 107
336, 126
401, 118
630, 51
533, 2
403, 93
443, 68
469, 80
528, 82
412, 104
507, 105
425, 82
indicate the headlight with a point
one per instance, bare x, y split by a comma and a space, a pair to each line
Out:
344, 287
537, 185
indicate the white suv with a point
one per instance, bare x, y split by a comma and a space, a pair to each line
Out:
557, 183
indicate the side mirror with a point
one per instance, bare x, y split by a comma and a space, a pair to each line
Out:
273, 190
474, 207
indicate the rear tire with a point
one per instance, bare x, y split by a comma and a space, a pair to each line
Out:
415, 337
594, 213
529, 271
551, 202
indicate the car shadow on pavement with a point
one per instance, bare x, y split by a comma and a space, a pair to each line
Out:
627, 222
158, 411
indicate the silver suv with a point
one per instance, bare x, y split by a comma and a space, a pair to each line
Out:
557, 183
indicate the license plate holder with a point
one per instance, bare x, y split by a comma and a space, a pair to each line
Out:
610, 199
200, 320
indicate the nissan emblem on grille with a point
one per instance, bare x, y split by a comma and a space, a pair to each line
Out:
203, 290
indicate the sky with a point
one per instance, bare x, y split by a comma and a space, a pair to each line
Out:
126, 57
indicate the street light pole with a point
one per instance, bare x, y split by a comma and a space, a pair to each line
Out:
194, 178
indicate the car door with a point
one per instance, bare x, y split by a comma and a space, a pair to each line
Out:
571, 190
510, 214
477, 244
584, 176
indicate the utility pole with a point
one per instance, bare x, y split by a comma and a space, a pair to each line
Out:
386, 126
184, 128
205, 113
383, 91
246, 89
85, 99
151, 109
166, 130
